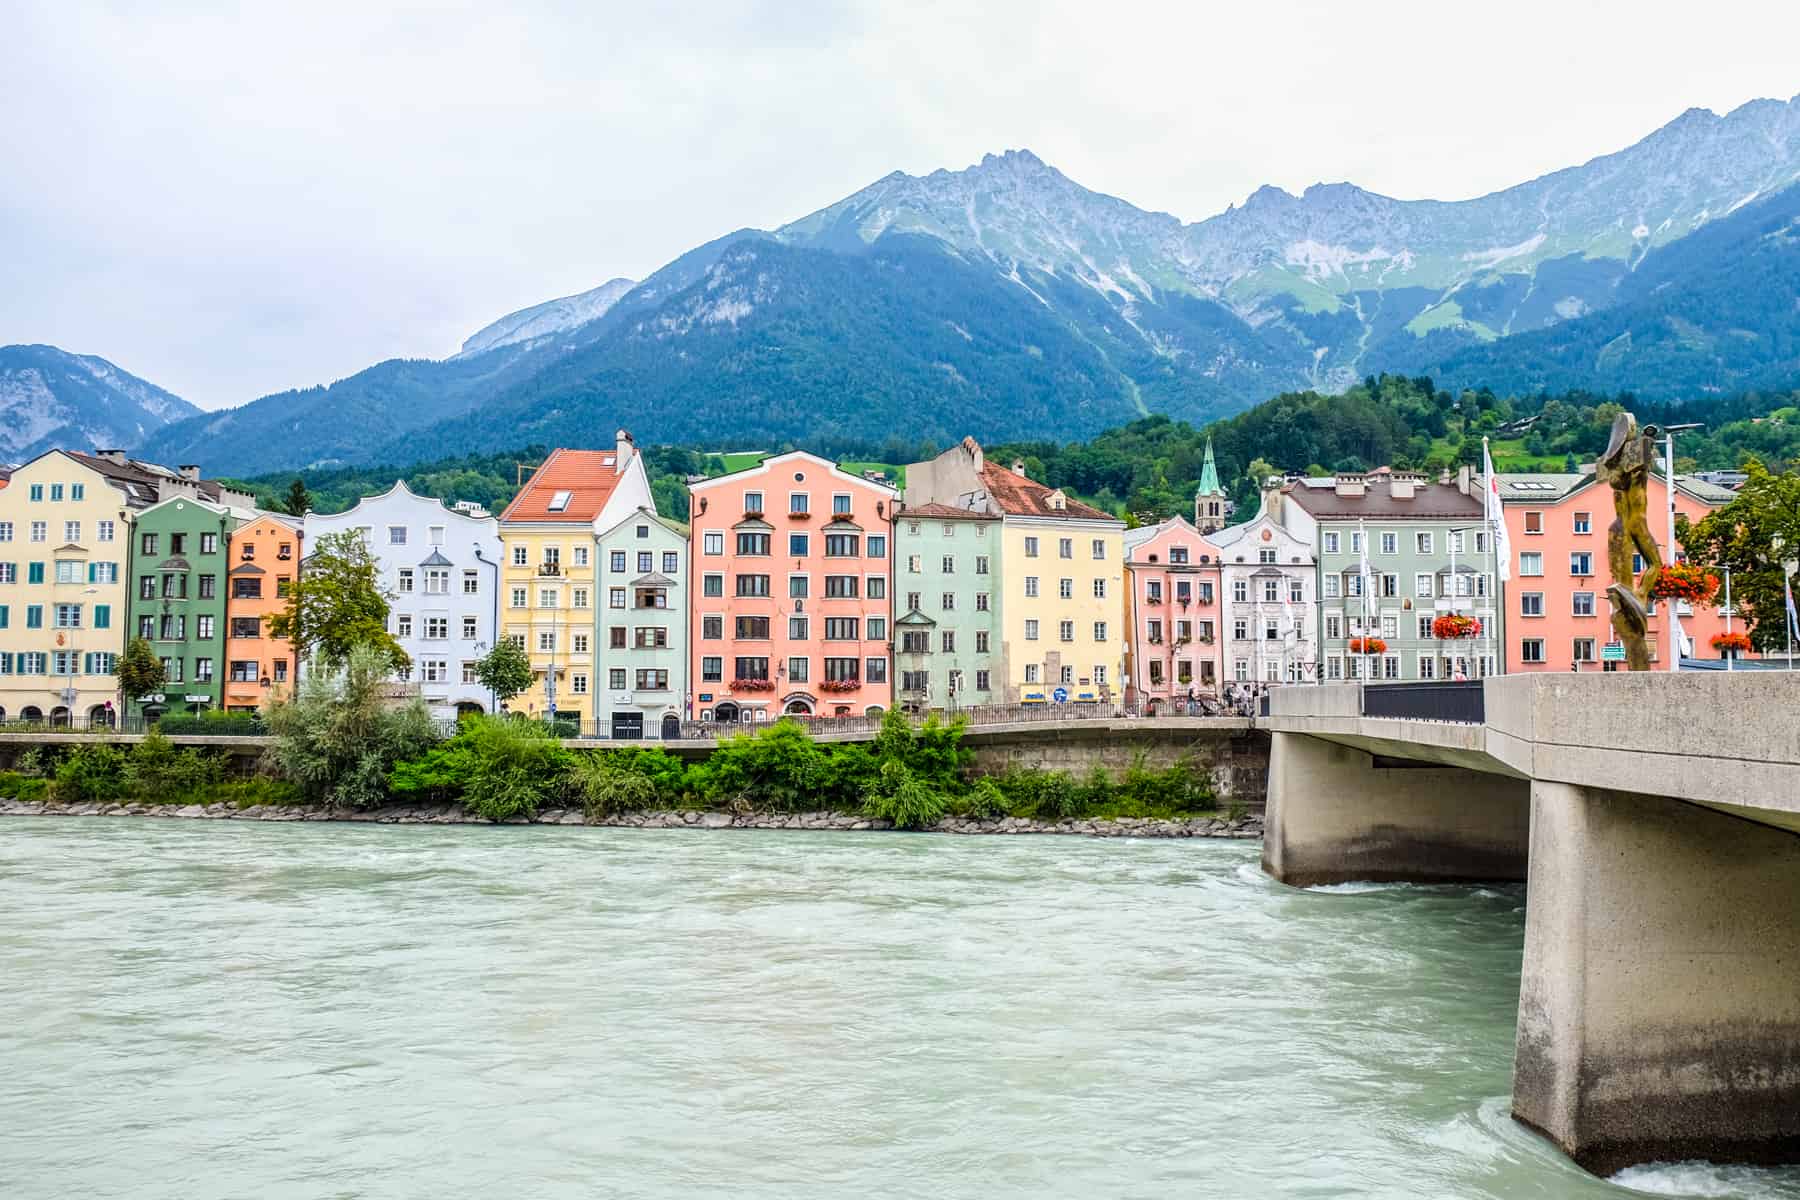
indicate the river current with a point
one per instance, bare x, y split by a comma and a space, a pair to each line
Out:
225, 1009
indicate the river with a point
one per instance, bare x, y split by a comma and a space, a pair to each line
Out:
223, 1009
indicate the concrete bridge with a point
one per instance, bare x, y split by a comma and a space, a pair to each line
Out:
1656, 820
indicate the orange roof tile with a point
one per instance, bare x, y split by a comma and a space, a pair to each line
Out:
589, 476
945, 512
1016, 494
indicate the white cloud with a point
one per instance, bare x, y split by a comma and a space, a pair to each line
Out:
231, 200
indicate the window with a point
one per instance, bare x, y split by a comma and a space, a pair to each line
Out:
1581, 562
546, 642
753, 543
404, 583
1065, 588
842, 545
578, 683
434, 670
6, 531
799, 587
753, 585
1531, 650
981, 681
799, 502
437, 581
915, 641
1065, 631
1099, 589
876, 629
646, 559
1390, 543
578, 597
246, 589
520, 556
518, 597
1099, 549
712, 669
203, 628
842, 629
713, 543
752, 668
469, 629
1031, 672
947, 602
1031, 547
579, 555
841, 587
104, 530
547, 597
914, 681
1099, 631
1331, 542
1531, 563
615, 562
437, 628
947, 641
981, 641
875, 670
877, 547
710, 585
1584, 522
1534, 522
559, 501
1334, 626
712, 629
1240, 629
396, 535
1031, 586
70, 571
1065, 547
1271, 591
1583, 604
471, 583
842, 670
751, 629
1031, 630
753, 503
68, 616
1531, 604
1240, 589
1422, 585
981, 564
1584, 650
403, 624
72, 533
876, 587
797, 629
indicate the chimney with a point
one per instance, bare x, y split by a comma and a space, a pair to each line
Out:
1400, 487
1351, 485
112, 456
624, 447
1444, 476
1019, 467
189, 472
1463, 474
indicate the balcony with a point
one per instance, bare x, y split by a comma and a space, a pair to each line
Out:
549, 570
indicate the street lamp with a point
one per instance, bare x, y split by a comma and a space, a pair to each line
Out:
1788, 568
1669, 432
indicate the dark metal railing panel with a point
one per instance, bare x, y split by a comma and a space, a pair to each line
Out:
1461, 701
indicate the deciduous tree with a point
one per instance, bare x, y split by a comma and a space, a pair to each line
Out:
337, 604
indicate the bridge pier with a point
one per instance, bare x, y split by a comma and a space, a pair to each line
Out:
1659, 1008
1337, 813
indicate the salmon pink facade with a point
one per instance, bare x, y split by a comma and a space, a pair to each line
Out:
790, 607
265, 557
1171, 616
1558, 618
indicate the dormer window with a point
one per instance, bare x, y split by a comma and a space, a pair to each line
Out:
1057, 501
560, 501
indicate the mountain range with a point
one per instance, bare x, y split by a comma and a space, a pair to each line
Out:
1008, 301
49, 397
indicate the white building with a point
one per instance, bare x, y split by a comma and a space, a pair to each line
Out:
440, 569
1269, 609
640, 634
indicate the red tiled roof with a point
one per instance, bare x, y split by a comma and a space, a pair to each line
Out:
946, 512
589, 476
1016, 494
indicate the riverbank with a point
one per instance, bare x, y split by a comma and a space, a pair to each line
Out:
447, 814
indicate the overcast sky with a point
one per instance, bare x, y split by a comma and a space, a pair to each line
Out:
229, 202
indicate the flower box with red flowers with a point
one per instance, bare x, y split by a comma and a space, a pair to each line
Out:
801, 515
1451, 626
840, 685
1685, 581
1367, 646
752, 685
1731, 643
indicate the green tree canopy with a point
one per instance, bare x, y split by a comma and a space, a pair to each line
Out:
337, 604
140, 671
298, 500
1750, 537
505, 670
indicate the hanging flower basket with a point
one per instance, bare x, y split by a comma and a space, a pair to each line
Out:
1731, 643
1367, 646
840, 685
752, 685
1685, 581
1455, 625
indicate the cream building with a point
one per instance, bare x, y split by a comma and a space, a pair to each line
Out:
549, 585
65, 551
1062, 634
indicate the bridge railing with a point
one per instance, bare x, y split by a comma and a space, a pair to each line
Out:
1440, 700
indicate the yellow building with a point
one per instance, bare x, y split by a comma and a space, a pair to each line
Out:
551, 582
65, 565
1062, 567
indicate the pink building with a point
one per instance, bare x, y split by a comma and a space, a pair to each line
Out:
1171, 615
791, 611
1557, 615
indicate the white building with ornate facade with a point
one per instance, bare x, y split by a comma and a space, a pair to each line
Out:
1269, 608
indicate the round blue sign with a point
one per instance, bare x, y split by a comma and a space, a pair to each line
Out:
1060, 695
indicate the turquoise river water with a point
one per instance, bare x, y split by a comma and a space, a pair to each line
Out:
204, 1009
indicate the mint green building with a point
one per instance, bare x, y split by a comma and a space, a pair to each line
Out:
947, 592
177, 579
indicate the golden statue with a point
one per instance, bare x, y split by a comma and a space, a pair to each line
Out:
1626, 468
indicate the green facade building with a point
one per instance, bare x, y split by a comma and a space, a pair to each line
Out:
1427, 551
177, 567
947, 592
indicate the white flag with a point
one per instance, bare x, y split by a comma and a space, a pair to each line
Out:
1496, 519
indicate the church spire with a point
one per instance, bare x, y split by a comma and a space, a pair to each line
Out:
1210, 509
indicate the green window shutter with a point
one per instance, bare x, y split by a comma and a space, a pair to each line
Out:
34, 616
102, 616
93, 572
35, 573
3, 616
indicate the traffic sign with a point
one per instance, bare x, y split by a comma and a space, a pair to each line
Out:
1612, 652
1060, 695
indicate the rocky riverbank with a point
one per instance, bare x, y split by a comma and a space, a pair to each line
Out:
445, 814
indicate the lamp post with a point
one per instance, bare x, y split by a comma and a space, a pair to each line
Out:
1788, 568
1669, 432
1730, 655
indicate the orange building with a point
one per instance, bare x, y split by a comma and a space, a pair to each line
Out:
265, 556
1558, 617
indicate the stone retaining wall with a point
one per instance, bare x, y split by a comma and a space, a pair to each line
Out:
445, 814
